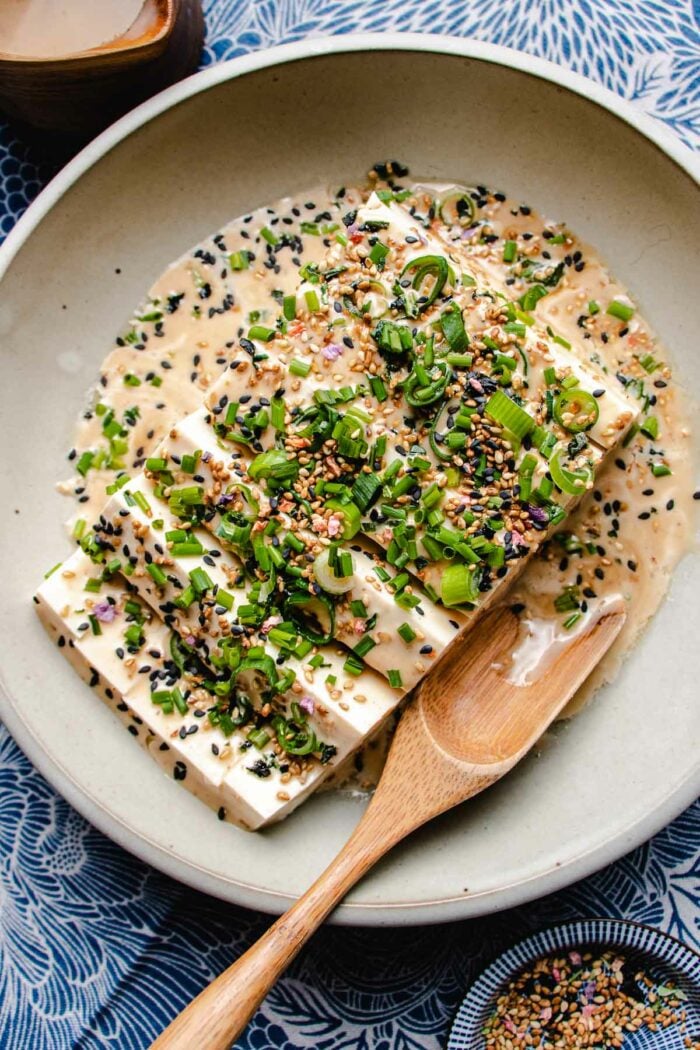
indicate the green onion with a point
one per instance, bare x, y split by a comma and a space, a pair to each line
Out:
184, 550
459, 585
365, 490
621, 311
231, 532
395, 680
294, 610
593, 308
393, 338
225, 599
511, 416
350, 514
131, 380
435, 266
648, 363
650, 427
289, 307
378, 388
453, 329
264, 335
364, 646
299, 368
525, 472
558, 338
456, 207
312, 301
259, 738
141, 502
422, 388
568, 600
133, 636
532, 296
201, 583
277, 413
406, 632
550, 375
571, 620
156, 574
188, 464
239, 260
510, 250
85, 462
378, 255
179, 701
267, 235
660, 470
571, 482
273, 465
578, 404
459, 360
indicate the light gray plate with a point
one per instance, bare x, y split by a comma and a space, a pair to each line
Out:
225, 141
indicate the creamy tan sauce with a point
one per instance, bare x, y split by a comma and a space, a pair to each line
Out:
47, 28
627, 535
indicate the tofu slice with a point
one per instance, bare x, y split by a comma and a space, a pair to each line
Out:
225, 772
433, 626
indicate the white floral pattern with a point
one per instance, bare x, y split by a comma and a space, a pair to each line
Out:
96, 949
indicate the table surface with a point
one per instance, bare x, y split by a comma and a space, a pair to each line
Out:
99, 950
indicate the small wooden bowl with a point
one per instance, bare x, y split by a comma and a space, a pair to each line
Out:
79, 94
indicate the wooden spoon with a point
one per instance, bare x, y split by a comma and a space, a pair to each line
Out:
467, 726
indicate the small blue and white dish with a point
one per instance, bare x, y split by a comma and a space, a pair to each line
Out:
660, 956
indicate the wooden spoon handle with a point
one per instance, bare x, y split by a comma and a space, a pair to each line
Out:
221, 1011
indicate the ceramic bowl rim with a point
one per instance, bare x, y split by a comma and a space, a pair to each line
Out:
383, 913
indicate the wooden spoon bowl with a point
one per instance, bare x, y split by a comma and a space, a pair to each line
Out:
468, 724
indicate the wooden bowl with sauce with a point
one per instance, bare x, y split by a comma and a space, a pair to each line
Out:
72, 69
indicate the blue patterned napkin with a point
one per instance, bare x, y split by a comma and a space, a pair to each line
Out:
98, 950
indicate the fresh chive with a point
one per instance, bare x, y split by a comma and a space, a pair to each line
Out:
260, 332
259, 738
185, 549
142, 503
239, 260
406, 632
200, 581
156, 574
299, 368
650, 427
267, 235
312, 301
378, 255
510, 250
622, 311
85, 462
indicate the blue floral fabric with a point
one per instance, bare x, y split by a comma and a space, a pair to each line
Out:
99, 951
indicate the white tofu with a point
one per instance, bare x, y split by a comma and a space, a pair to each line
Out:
434, 626
212, 766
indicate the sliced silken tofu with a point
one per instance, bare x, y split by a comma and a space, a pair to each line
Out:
433, 626
225, 771
205, 624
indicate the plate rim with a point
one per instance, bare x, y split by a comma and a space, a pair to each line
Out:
605, 930
436, 910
